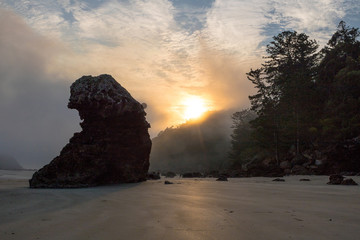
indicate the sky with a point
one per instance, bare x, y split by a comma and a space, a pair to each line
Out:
162, 51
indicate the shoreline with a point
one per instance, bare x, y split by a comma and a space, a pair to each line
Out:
242, 208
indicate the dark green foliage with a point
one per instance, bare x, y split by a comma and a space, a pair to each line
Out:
243, 148
339, 85
304, 97
285, 86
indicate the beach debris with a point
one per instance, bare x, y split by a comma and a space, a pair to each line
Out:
153, 176
113, 146
338, 179
304, 180
222, 178
278, 180
168, 182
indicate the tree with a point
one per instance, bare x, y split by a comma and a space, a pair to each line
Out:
242, 145
285, 86
342, 45
339, 85
265, 104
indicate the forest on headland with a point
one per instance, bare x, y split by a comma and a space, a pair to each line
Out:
304, 117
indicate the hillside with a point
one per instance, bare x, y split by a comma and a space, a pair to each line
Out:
193, 146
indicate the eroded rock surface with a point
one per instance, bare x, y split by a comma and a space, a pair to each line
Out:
113, 146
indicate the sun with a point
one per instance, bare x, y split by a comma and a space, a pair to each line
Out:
194, 107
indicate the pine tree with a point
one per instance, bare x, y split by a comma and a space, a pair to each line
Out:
339, 85
285, 88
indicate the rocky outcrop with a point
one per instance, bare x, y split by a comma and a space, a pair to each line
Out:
153, 176
337, 179
113, 146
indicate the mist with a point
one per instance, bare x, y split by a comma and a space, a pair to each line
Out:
35, 122
195, 146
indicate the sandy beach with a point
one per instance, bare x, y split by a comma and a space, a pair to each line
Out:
246, 208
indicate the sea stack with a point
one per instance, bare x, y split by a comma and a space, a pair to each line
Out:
113, 146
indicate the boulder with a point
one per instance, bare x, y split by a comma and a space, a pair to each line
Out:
278, 180
153, 176
338, 179
335, 179
113, 146
298, 160
300, 170
222, 178
348, 181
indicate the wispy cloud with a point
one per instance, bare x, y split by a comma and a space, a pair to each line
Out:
316, 18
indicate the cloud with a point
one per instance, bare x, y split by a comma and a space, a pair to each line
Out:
316, 18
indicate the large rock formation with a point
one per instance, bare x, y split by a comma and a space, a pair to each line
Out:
114, 145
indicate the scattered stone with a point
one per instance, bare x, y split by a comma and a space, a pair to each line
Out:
279, 180
113, 146
168, 182
335, 179
153, 176
304, 180
348, 181
222, 178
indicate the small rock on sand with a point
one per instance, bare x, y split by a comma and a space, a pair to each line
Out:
222, 178
279, 180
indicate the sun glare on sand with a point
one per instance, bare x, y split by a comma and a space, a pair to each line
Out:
194, 107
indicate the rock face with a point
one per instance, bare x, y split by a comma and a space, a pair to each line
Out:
113, 146
338, 179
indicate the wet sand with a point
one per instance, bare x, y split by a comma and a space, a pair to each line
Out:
246, 208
